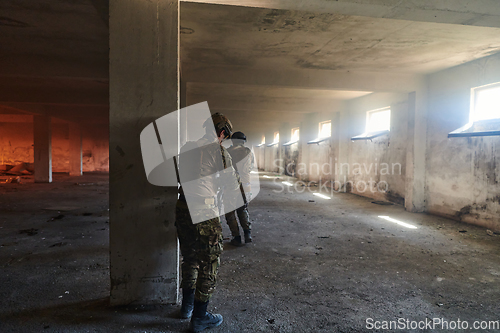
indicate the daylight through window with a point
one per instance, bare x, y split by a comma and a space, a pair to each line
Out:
378, 120
325, 129
276, 137
486, 103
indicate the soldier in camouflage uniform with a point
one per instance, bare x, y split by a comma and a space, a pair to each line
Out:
244, 157
201, 243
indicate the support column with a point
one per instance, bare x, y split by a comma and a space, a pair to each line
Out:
183, 121
285, 136
343, 167
308, 131
75, 150
144, 85
335, 147
268, 151
415, 196
43, 148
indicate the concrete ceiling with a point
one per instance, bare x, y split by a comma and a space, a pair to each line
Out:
464, 12
214, 35
266, 98
309, 56
249, 61
52, 38
54, 59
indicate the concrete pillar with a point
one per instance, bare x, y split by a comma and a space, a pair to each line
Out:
183, 121
75, 150
415, 196
43, 148
144, 85
183, 93
285, 135
335, 144
308, 131
268, 151
344, 141
303, 148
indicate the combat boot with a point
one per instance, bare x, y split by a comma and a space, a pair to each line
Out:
248, 236
187, 303
202, 319
236, 241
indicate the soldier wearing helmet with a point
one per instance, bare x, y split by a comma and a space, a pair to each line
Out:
201, 243
243, 160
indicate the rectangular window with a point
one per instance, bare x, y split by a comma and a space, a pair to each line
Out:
263, 140
325, 129
295, 134
276, 137
378, 120
485, 102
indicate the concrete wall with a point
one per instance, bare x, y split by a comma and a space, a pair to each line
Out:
260, 156
60, 148
272, 159
291, 155
95, 148
16, 143
377, 167
315, 160
16, 146
143, 86
463, 174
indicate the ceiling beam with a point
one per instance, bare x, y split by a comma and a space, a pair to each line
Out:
304, 78
258, 121
484, 13
54, 91
277, 105
82, 114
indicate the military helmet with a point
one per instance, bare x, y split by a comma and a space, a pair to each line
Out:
239, 136
221, 123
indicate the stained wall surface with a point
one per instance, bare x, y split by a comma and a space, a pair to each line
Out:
377, 167
16, 146
463, 174
16, 143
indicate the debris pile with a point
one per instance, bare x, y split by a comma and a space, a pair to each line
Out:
21, 169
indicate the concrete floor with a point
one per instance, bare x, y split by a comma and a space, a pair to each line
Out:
314, 266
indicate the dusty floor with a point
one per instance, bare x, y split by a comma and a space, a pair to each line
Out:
314, 266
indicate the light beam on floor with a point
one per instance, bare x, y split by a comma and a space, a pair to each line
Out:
321, 195
404, 224
287, 183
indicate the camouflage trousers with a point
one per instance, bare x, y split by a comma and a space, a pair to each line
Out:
201, 247
244, 218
